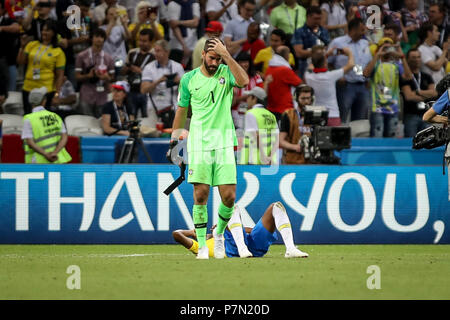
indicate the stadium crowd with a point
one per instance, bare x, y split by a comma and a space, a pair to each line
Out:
375, 60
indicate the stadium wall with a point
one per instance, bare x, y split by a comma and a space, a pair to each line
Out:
125, 204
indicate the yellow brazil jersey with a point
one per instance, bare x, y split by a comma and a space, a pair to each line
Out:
264, 56
42, 63
144, 26
209, 243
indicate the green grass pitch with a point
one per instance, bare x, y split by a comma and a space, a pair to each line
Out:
171, 272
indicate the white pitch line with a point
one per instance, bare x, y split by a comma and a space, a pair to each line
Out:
93, 255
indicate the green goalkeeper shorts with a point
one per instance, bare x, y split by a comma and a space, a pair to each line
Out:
212, 167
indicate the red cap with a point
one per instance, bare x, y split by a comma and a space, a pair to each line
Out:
214, 26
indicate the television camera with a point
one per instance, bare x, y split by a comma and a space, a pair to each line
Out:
320, 146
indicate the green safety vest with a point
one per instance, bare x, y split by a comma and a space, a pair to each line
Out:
267, 131
46, 128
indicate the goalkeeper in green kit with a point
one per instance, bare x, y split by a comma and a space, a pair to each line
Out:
208, 90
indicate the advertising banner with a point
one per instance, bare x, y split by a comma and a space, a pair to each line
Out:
126, 204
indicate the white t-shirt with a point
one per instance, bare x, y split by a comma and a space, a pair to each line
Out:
324, 85
217, 5
431, 53
338, 16
162, 96
115, 44
174, 11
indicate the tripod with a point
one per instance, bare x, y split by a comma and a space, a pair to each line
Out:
129, 152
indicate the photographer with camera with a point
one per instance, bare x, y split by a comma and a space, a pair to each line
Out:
115, 115
146, 17
137, 59
292, 127
160, 80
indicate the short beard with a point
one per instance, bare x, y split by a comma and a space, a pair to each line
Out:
211, 72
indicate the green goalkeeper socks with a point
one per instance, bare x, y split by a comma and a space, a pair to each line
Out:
225, 214
200, 215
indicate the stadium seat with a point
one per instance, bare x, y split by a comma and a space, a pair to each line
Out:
83, 125
12, 123
14, 104
360, 128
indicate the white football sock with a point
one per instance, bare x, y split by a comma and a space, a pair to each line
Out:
283, 225
235, 226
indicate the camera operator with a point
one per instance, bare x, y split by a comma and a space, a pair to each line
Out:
115, 115
434, 114
292, 128
160, 80
441, 106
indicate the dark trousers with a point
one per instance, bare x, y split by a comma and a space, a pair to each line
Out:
137, 101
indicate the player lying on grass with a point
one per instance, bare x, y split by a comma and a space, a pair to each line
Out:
248, 242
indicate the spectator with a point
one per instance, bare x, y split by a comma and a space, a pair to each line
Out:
184, 17
160, 80
3, 96
261, 131
416, 92
221, 10
292, 127
283, 79
334, 17
1, 139
324, 81
160, 6
146, 17
277, 38
412, 19
45, 64
94, 70
64, 103
236, 31
311, 34
115, 114
213, 29
100, 11
61, 8
117, 34
434, 60
9, 34
76, 39
288, 16
239, 106
385, 73
353, 97
437, 15
44, 141
391, 31
32, 25
136, 61
253, 43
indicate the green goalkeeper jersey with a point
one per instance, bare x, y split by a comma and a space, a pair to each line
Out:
210, 98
